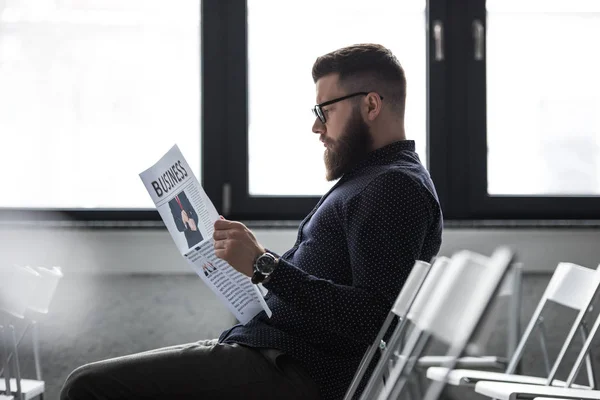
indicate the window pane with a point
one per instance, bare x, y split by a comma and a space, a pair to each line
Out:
92, 93
543, 97
286, 158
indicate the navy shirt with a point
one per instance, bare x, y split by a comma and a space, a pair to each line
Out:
332, 291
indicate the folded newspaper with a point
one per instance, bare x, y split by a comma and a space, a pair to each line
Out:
189, 215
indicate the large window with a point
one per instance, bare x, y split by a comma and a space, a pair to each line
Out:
91, 93
543, 97
502, 101
284, 40
529, 139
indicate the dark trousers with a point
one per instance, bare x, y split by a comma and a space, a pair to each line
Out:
201, 370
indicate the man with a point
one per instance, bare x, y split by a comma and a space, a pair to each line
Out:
331, 292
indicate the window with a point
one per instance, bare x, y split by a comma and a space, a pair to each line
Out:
93, 91
543, 97
502, 101
525, 95
284, 40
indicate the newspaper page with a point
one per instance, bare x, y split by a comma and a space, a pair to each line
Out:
189, 215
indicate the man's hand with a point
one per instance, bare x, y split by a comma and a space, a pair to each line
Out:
192, 224
237, 245
184, 218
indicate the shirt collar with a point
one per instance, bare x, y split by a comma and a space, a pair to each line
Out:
385, 154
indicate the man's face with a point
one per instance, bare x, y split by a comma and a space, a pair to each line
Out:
345, 135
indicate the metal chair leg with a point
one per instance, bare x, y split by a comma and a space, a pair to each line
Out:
16, 362
36, 349
588, 359
5, 362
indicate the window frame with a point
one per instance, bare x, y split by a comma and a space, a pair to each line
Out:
456, 132
481, 205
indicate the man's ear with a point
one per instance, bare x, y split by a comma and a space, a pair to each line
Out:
373, 106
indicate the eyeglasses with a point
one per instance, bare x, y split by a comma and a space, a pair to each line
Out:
318, 110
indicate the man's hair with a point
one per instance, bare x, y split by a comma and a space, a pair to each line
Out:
366, 68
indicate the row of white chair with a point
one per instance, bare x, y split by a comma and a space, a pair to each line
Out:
467, 283
25, 293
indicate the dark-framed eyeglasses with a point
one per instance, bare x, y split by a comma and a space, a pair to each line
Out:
318, 110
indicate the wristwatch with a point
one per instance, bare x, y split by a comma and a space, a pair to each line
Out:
264, 265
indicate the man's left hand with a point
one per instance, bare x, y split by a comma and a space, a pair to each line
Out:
237, 245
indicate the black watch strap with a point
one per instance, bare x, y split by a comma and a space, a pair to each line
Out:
257, 277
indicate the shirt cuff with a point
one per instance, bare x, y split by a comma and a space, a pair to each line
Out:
284, 279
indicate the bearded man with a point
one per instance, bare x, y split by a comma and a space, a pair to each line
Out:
331, 292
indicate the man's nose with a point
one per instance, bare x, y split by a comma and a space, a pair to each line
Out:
318, 127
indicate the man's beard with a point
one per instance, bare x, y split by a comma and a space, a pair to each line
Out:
351, 148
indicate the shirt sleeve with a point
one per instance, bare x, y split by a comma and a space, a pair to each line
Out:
386, 225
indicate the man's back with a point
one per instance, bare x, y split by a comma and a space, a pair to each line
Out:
333, 289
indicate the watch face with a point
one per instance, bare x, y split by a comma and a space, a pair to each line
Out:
265, 264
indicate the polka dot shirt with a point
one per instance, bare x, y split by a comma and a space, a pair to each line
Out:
332, 291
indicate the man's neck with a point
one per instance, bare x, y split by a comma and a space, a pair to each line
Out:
382, 140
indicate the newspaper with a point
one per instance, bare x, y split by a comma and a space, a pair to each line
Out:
189, 215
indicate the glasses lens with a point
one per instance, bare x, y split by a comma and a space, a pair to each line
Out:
320, 114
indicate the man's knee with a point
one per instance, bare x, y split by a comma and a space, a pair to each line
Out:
80, 383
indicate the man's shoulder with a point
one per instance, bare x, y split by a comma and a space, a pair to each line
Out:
392, 186
393, 178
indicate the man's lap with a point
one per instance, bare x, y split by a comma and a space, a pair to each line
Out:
205, 369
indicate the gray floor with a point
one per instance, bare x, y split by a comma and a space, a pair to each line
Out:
97, 317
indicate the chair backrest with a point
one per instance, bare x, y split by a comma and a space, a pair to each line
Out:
591, 293
582, 354
453, 308
571, 285
16, 291
45, 289
457, 304
411, 287
436, 273
508, 286
420, 273
509, 293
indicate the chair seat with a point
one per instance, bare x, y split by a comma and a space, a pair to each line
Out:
30, 388
512, 391
552, 398
458, 377
5, 397
464, 362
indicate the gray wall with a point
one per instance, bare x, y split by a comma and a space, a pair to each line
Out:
152, 251
127, 291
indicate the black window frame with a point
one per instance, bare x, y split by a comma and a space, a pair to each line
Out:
456, 131
503, 207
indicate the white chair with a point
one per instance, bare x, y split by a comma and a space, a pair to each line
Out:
552, 398
572, 286
14, 297
518, 391
31, 295
452, 311
508, 390
407, 305
511, 293
403, 302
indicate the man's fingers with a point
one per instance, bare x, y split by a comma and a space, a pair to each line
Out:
220, 253
226, 224
220, 234
225, 234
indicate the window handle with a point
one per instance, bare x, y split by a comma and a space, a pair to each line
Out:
438, 37
478, 38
